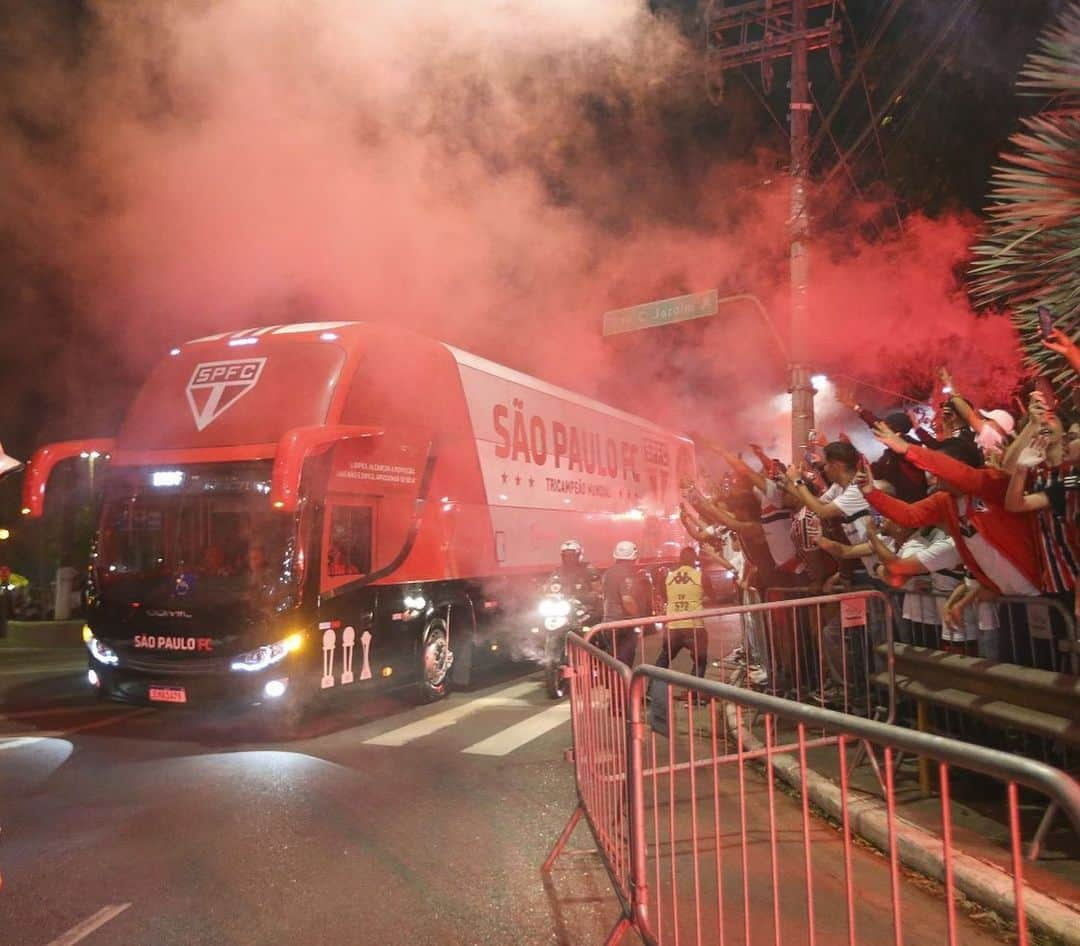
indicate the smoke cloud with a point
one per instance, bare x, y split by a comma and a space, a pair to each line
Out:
495, 174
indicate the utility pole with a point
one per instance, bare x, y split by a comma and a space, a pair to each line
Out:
762, 31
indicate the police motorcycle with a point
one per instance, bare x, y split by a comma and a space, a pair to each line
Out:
568, 602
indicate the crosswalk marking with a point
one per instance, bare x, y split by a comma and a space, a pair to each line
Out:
91, 923
508, 696
514, 737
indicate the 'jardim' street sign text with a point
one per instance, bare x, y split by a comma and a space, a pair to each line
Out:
679, 309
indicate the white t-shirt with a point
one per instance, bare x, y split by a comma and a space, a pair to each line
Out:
934, 552
776, 524
856, 510
980, 624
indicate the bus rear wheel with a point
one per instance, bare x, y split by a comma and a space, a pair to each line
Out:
436, 659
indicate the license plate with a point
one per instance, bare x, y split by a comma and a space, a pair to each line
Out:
168, 695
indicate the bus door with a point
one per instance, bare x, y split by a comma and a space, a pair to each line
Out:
354, 654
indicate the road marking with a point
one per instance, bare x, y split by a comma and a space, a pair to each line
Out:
21, 739
90, 924
56, 669
508, 696
514, 737
14, 742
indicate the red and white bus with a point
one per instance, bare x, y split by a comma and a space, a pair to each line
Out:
326, 507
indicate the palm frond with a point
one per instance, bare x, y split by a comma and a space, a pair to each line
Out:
1029, 255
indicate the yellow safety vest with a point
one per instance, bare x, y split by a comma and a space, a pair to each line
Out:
684, 593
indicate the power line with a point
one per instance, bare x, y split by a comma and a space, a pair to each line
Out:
957, 12
860, 65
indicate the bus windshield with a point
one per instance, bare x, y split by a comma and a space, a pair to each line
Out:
208, 527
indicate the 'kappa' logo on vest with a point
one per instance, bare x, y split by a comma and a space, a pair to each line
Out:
215, 386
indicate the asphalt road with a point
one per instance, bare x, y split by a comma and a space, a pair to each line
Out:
390, 823
381, 825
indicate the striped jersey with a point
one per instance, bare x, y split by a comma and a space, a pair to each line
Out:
1058, 525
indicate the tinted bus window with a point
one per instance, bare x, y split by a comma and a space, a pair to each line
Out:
349, 547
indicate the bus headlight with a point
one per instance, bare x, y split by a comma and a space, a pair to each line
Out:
102, 653
266, 656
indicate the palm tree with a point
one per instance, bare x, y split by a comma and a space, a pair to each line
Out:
1030, 255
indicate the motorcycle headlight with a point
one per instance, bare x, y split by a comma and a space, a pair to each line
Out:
103, 653
266, 656
554, 608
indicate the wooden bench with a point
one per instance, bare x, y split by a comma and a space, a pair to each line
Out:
1025, 699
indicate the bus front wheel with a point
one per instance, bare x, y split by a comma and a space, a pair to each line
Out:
436, 659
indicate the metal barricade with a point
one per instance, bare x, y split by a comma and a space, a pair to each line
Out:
1034, 632
719, 850
727, 846
599, 688
816, 650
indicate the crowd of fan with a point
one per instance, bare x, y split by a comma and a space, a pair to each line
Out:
981, 510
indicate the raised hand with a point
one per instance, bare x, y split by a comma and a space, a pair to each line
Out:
889, 437
1059, 342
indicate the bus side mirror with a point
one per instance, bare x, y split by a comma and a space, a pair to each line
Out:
45, 459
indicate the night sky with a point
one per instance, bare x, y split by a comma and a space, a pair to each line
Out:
496, 177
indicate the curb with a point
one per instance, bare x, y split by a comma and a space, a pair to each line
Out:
984, 883
43, 634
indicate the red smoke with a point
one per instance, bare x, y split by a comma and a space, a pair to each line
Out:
486, 173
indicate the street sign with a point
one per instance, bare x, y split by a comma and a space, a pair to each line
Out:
652, 314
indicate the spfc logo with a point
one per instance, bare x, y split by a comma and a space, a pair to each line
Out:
215, 386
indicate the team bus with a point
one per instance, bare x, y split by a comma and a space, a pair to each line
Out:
302, 510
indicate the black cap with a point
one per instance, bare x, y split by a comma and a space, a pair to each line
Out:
962, 449
898, 422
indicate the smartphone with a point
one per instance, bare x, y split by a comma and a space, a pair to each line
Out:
1046, 322
811, 437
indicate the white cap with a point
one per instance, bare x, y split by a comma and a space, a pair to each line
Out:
625, 551
1003, 419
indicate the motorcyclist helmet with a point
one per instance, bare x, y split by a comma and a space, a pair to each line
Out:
625, 551
571, 552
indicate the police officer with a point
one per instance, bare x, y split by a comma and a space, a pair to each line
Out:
627, 594
685, 593
575, 574
577, 577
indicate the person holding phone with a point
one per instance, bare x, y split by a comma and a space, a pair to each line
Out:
843, 501
998, 546
993, 428
1058, 341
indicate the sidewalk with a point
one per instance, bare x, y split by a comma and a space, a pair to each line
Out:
981, 855
37, 634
